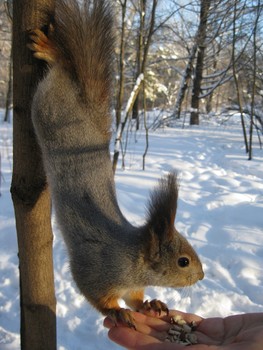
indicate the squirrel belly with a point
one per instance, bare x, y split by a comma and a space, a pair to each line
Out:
109, 257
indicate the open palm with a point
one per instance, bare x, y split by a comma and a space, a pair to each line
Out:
239, 332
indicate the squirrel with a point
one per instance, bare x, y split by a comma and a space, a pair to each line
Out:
110, 259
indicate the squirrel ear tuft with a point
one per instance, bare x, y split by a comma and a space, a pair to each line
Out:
163, 206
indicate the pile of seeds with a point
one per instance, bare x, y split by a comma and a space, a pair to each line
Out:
181, 332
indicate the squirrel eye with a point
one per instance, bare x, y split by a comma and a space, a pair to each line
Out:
183, 262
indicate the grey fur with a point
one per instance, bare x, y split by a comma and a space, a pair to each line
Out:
71, 116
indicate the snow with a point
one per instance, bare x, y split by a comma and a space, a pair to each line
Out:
220, 212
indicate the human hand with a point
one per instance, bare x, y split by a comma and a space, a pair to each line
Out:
238, 332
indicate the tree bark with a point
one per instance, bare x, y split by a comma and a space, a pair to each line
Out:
120, 94
122, 124
205, 5
139, 58
209, 100
254, 78
235, 76
144, 42
184, 83
145, 127
8, 102
29, 190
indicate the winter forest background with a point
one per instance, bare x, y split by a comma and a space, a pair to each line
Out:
188, 94
195, 56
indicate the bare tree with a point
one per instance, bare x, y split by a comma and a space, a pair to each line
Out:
122, 124
184, 82
145, 35
144, 42
146, 129
191, 62
257, 11
5, 58
205, 63
201, 42
30, 191
120, 93
246, 65
8, 103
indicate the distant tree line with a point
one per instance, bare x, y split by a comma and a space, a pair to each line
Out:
199, 56
189, 54
203, 56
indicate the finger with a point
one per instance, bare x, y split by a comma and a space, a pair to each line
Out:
108, 323
145, 325
161, 324
145, 337
134, 340
131, 339
153, 326
185, 316
155, 323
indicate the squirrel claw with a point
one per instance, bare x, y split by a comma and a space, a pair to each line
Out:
123, 316
155, 305
38, 37
42, 47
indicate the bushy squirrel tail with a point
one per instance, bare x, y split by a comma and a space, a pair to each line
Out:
80, 39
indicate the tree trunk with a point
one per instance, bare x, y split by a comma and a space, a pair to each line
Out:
133, 102
143, 47
145, 127
30, 192
205, 5
254, 78
8, 102
120, 94
235, 76
122, 124
209, 101
184, 83
139, 59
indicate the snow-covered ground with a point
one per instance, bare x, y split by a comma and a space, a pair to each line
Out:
220, 212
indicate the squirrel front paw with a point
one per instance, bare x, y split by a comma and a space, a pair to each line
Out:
155, 305
123, 316
43, 48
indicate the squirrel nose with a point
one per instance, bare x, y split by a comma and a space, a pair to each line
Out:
201, 274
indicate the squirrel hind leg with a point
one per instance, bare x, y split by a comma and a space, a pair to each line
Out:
43, 48
109, 306
122, 316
